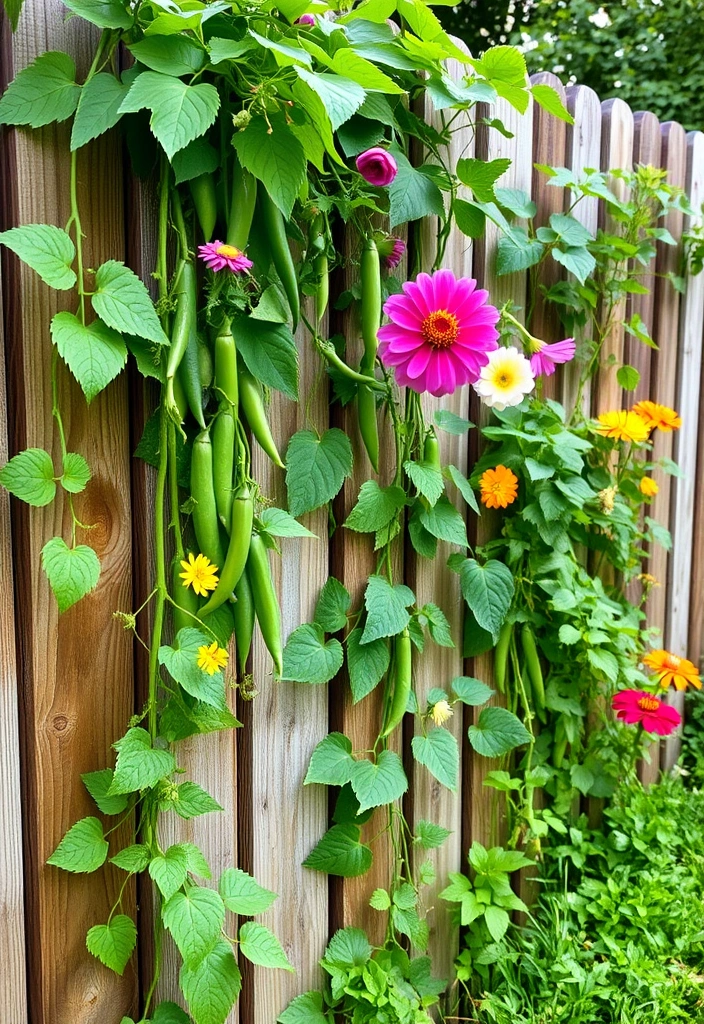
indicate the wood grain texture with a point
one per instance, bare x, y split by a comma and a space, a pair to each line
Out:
76, 670
689, 365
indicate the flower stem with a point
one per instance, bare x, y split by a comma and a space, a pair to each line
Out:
160, 583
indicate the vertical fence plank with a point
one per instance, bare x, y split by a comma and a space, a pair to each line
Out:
689, 366
13, 985
76, 670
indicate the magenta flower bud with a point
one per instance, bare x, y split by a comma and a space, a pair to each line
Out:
377, 166
305, 19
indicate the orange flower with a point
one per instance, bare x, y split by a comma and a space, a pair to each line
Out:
499, 487
648, 487
669, 670
658, 417
623, 426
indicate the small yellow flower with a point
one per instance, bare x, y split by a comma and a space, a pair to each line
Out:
623, 426
441, 712
657, 417
648, 580
213, 658
607, 500
200, 573
648, 487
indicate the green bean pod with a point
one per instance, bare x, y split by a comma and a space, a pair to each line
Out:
224, 440
322, 293
242, 203
370, 273
275, 229
205, 363
180, 399
501, 656
244, 615
559, 748
402, 677
431, 450
205, 203
368, 426
535, 672
226, 376
184, 317
237, 551
205, 516
265, 601
189, 369
253, 408
186, 601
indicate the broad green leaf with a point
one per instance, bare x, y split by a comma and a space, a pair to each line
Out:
497, 732
332, 606
113, 943
386, 608
169, 1013
604, 662
309, 658
280, 524
517, 252
169, 870
30, 477
172, 55
429, 835
568, 634
286, 54
72, 572
180, 112
98, 108
375, 508
212, 986
197, 864
261, 947
46, 249
578, 260
188, 800
366, 664
195, 919
438, 625
139, 765
497, 921
439, 752
95, 354
471, 691
469, 218
445, 522
242, 894
276, 158
349, 947
270, 352
44, 92
316, 468
380, 783
341, 96
412, 195
340, 852
349, 64
488, 590
451, 423
103, 13
628, 377
98, 785
132, 859
481, 176
569, 229
304, 1009
123, 302
228, 49
331, 762
197, 158
13, 9
311, 103
82, 849
380, 900
272, 306
549, 100
516, 201
464, 487
426, 478
181, 661
76, 473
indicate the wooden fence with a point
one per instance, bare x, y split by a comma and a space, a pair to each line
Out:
270, 821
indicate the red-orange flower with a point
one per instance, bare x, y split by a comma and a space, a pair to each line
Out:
670, 670
656, 416
499, 487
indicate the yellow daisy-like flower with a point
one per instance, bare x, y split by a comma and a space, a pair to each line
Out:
648, 487
670, 670
499, 487
213, 658
441, 712
623, 426
657, 417
200, 573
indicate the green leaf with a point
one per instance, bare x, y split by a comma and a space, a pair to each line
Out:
380, 783
497, 921
516, 201
604, 662
304, 1009
464, 487
132, 859
331, 763
98, 785
332, 606
195, 919
568, 634
181, 661
451, 423
481, 176
212, 986
471, 691
30, 477
488, 590
76, 473
341, 96
438, 625
375, 508
386, 608
139, 765
469, 218
113, 943
277, 158
280, 524
497, 732
72, 572
349, 947
270, 353
366, 664
445, 522
309, 658
43, 92
412, 194
581, 777
122, 301
242, 894
350, 65
170, 1013
197, 158
340, 852
628, 377
261, 947
180, 112
579, 261
549, 100
169, 870
429, 835
82, 849
98, 108
426, 478
103, 13
172, 55
94, 354
13, 9
272, 306
439, 752
188, 800
517, 252
316, 467
380, 900
46, 249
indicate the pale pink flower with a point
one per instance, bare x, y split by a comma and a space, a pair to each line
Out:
441, 333
217, 255
377, 166
544, 357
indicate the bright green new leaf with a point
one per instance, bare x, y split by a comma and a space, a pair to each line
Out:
83, 848
76, 473
180, 112
44, 92
197, 864
261, 947
332, 606
366, 663
451, 423
279, 523
169, 870
429, 835
497, 921
341, 96
426, 478
349, 947
331, 762
195, 919
471, 691
98, 108
579, 261
309, 658
189, 800
169, 1013
439, 752
340, 852
437, 624
139, 765
113, 943
488, 590
464, 487
412, 194
30, 477
212, 986
569, 635
380, 900
123, 302
386, 608
46, 249
277, 158
497, 732
375, 508
549, 100
172, 55
132, 859
270, 352
481, 176
469, 218
95, 354
181, 661
628, 377
242, 894
316, 467
304, 1009
445, 522
103, 13
72, 572
286, 55
98, 784
380, 783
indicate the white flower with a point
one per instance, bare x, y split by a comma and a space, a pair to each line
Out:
441, 712
506, 379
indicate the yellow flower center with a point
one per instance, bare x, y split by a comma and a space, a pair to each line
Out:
504, 378
648, 703
440, 328
228, 251
672, 662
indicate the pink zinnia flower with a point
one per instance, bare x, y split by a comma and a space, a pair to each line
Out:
544, 358
305, 19
391, 250
637, 707
441, 333
217, 255
377, 166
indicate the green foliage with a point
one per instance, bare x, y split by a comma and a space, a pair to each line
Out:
316, 468
72, 572
114, 942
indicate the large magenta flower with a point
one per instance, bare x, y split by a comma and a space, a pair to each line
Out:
544, 358
377, 166
441, 333
637, 707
